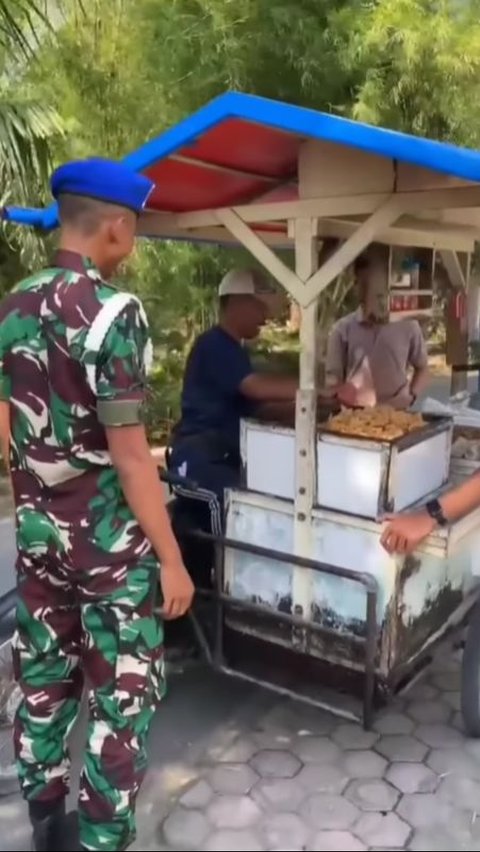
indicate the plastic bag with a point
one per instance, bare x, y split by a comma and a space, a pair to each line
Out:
458, 407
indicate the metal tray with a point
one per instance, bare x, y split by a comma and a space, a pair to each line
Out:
435, 423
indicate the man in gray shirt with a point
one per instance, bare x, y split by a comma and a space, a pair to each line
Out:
386, 362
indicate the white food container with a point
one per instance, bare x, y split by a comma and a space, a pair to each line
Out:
354, 475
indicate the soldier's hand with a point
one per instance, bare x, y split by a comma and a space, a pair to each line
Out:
177, 589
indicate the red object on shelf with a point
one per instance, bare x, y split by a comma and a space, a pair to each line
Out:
460, 306
404, 302
460, 310
395, 303
413, 303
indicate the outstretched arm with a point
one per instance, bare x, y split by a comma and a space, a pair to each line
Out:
261, 387
275, 390
405, 532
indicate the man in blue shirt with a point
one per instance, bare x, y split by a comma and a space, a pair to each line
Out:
220, 387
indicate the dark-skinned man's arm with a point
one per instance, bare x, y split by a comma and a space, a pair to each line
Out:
263, 388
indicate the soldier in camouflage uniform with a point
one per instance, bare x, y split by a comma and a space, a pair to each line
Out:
91, 522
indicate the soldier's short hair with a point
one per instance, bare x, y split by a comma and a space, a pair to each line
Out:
85, 214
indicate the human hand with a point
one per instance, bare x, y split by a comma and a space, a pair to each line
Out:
404, 533
177, 589
403, 400
347, 394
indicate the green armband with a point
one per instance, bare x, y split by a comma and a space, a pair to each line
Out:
120, 412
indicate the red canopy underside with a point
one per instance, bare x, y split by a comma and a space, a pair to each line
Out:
234, 163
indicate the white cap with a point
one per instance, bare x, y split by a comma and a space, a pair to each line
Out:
242, 282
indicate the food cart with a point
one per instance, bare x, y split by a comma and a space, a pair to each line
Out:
305, 596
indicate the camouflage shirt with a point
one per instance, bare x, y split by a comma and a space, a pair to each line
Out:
74, 353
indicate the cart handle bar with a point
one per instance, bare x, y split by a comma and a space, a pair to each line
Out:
364, 579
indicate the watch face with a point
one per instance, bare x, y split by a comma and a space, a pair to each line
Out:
435, 511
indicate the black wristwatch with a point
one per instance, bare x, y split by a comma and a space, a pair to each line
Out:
435, 511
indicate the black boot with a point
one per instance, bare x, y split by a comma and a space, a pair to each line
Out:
57, 831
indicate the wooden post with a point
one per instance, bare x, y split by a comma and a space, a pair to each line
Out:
306, 261
457, 268
473, 309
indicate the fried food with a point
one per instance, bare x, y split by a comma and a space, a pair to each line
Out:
381, 423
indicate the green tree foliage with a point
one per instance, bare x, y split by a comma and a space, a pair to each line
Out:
28, 127
284, 49
19, 22
420, 62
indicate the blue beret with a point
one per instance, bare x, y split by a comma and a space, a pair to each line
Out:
105, 180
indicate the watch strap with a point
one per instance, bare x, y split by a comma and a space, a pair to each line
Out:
435, 511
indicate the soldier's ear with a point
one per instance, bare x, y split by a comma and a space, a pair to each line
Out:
113, 232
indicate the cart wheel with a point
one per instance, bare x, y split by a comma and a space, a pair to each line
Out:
470, 695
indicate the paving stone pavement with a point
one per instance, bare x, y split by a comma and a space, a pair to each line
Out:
283, 776
300, 779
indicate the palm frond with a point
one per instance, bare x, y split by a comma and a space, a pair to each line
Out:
26, 130
19, 22
23, 22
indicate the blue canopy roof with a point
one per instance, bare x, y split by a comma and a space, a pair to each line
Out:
231, 150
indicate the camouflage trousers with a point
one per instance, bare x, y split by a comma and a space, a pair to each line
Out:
99, 625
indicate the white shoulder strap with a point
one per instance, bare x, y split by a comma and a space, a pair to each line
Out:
101, 325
